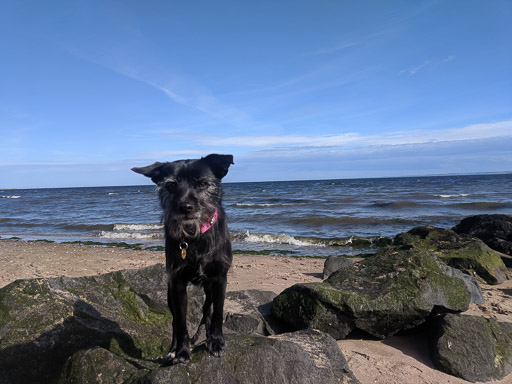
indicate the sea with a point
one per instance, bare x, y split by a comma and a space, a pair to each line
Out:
302, 218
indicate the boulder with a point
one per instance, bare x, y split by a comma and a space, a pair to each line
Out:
249, 312
302, 357
463, 252
493, 230
44, 321
98, 365
397, 289
334, 263
471, 347
469, 281
116, 328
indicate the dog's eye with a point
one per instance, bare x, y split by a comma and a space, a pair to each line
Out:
202, 185
170, 186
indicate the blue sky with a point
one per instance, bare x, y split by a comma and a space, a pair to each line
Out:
293, 89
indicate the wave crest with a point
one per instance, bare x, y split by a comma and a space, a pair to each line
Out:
453, 196
137, 227
130, 235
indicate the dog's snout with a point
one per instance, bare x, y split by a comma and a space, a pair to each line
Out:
185, 208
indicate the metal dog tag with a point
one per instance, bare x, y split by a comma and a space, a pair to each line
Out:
183, 247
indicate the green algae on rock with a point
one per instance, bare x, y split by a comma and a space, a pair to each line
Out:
460, 251
44, 321
394, 290
115, 328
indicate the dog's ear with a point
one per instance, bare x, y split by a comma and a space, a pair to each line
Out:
157, 171
219, 164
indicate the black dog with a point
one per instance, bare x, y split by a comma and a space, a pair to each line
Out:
197, 244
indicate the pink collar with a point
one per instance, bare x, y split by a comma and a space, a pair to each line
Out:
206, 226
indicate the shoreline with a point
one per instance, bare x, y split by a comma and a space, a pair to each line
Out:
251, 270
259, 244
41, 259
395, 360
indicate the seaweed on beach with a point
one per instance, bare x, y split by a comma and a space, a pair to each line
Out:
264, 252
122, 244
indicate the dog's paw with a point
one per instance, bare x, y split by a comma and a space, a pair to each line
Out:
181, 357
215, 345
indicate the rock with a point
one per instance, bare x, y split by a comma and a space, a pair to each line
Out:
301, 357
304, 357
471, 283
471, 347
507, 260
44, 321
463, 252
116, 328
493, 230
97, 365
334, 263
249, 312
394, 290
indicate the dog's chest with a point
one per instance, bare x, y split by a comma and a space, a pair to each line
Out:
199, 276
194, 270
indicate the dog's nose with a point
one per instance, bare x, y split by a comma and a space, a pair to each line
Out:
185, 208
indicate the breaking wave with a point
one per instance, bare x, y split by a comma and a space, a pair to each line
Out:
303, 241
130, 235
137, 227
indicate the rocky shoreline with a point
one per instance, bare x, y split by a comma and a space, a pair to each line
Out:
430, 284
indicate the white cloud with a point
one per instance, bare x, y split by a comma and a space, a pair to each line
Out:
178, 86
411, 71
344, 45
323, 51
352, 140
162, 155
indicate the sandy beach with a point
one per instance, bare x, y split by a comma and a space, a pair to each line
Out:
396, 360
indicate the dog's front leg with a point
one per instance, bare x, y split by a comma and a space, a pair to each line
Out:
215, 341
178, 295
172, 350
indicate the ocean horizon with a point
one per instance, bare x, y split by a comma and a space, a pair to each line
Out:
285, 181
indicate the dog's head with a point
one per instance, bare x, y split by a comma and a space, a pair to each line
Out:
190, 191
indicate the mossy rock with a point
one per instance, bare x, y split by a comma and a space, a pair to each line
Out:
98, 365
44, 321
394, 290
460, 251
115, 328
493, 230
334, 263
471, 347
303, 357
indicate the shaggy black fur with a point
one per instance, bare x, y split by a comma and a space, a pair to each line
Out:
190, 193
